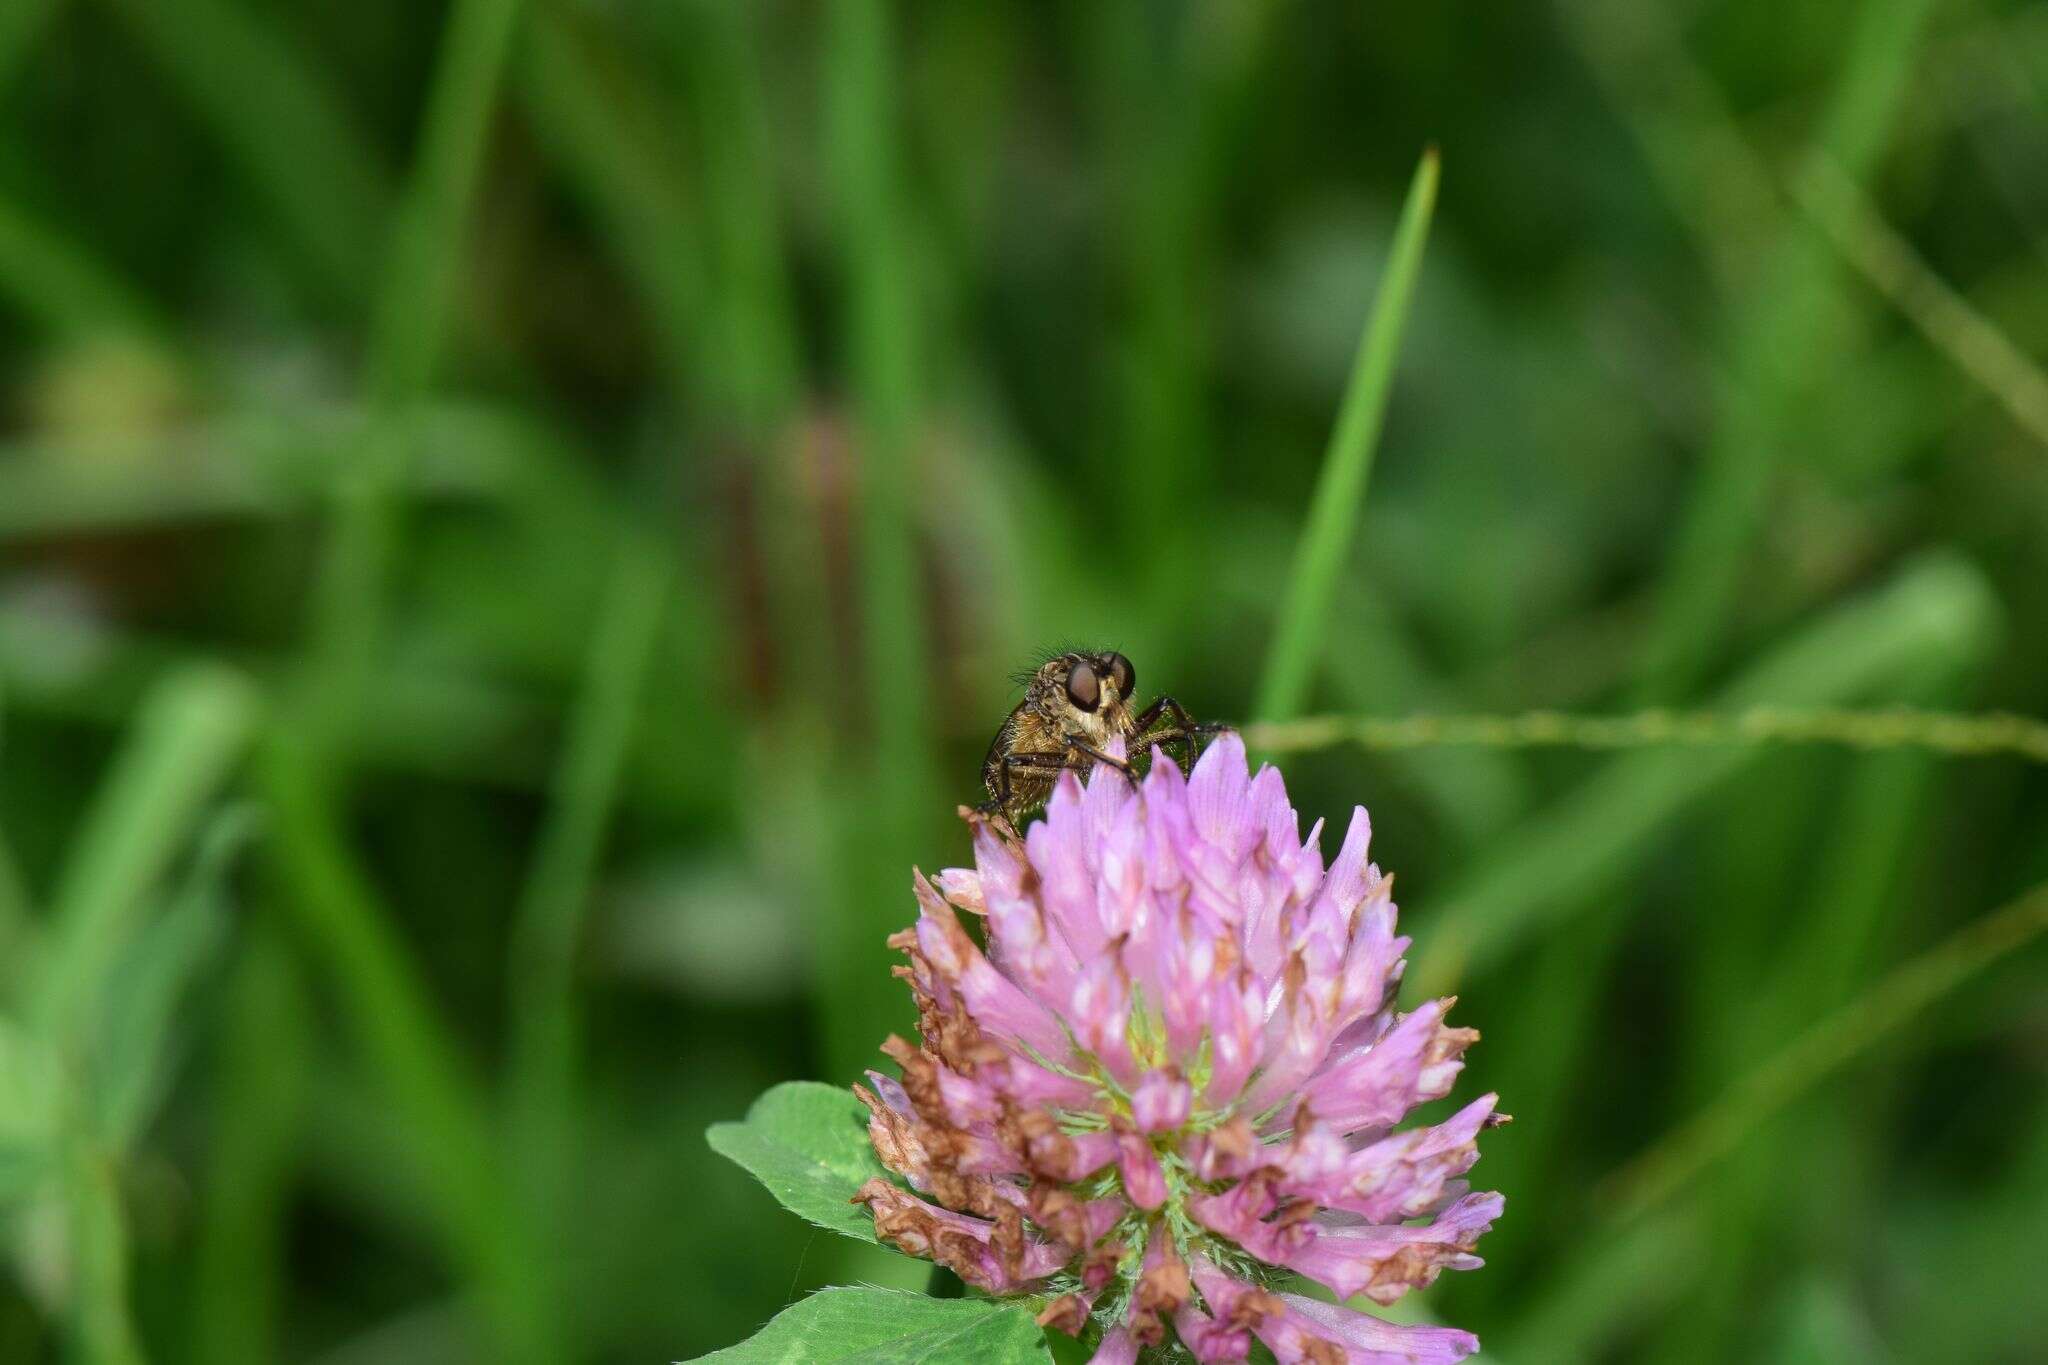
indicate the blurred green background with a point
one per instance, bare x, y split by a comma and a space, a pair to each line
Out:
516, 518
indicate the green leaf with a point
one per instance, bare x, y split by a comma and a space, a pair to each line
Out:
889, 1327
808, 1143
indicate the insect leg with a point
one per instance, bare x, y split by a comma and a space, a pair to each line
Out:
1183, 728
1181, 719
1011, 802
1082, 747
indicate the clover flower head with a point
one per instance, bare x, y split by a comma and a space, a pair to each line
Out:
1174, 1076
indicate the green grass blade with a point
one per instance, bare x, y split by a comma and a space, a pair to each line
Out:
1610, 1283
1779, 336
266, 107
137, 1043
1857, 871
17, 903
762, 369
410, 324
1325, 545
407, 329
101, 1329
599, 120
439, 1106
1659, 1173
186, 738
22, 23
1971, 341
58, 284
884, 809
1155, 119
17, 906
250, 465
257, 1116
551, 913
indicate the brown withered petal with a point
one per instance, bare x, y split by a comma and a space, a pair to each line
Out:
1317, 1351
1068, 1313
1164, 1288
894, 1137
1254, 1308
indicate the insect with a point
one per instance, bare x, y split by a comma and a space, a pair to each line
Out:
1074, 704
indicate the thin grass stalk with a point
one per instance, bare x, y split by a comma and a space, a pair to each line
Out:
1969, 339
402, 1041
548, 924
1159, 110
753, 292
1676, 1160
1373, 662
1763, 921
1637, 1201
753, 400
614, 132
408, 324
1563, 860
1776, 342
258, 1115
1326, 539
1955, 733
887, 783
1939, 611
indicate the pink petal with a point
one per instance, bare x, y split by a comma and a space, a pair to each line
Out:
998, 1005
1398, 1177
1217, 798
1373, 1085
1210, 1340
1385, 1262
1099, 1012
1144, 1182
1117, 1348
1161, 1102
1234, 1027
1378, 1339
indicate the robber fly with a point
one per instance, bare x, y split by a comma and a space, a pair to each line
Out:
1074, 704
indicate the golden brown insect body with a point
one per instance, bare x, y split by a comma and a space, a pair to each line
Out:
1074, 705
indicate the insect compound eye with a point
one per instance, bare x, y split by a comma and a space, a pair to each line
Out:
1123, 675
1084, 689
